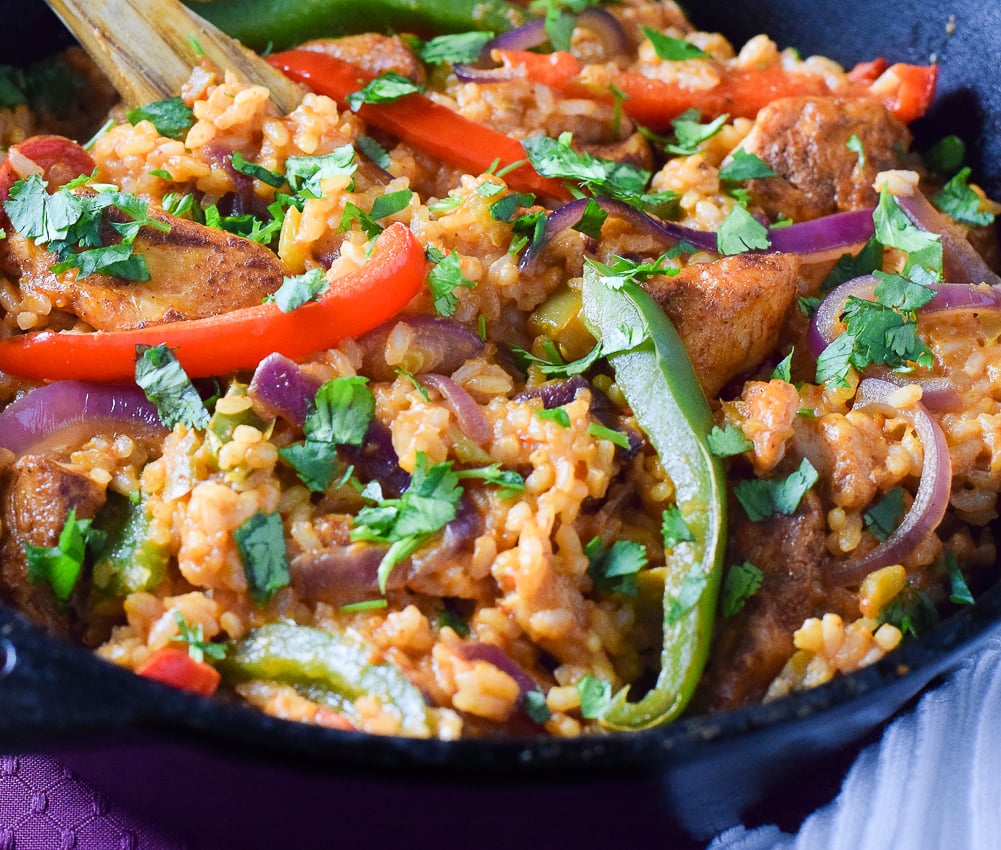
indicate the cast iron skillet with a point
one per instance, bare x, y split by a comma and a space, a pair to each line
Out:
703, 773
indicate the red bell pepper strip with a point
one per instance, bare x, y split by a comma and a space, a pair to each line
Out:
906, 90
421, 122
174, 666
240, 339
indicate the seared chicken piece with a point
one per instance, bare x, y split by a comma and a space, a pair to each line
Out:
39, 494
377, 54
752, 646
806, 141
195, 271
729, 312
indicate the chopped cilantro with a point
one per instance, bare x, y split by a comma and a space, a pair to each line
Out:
449, 617
808, 305
341, 412
959, 590
305, 174
762, 498
592, 219
601, 432
391, 203
740, 232
595, 696
689, 133
258, 172
314, 461
674, 529
849, 266
883, 518
614, 569
443, 279
745, 166
374, 151
959, 201
728, 441
385, 88
555, 366
536, 707
426, 506
60, 565
783, 371
692, 586
457, 47
911, 611
946, 156
560, 19
412, 379
166, 384
529, 229
172, 118
895, 230
194, 637
741, 583
854, 144
558, 415
300, 289
261, 543
673, 49
366, 605
509, 482
506, 207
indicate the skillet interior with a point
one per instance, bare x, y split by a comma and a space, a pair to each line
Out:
52, 688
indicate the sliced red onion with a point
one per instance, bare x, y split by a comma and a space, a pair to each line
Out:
51, 412
937, 394
282, 386
813, 241
556, 393
493, 654
438, 344
470, 416
603, 24
341, 574
376, 460
960, 260
930, 501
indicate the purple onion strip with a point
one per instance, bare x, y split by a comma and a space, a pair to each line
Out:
281, 385
468, 413
930, 501
44, 412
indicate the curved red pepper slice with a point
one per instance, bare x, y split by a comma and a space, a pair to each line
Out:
421, 122
240, 339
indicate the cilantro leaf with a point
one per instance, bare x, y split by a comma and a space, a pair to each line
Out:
385, 88
391, 203
443, 279
883, 518
740, 232
300, 289
194, 638
555, 366
946, 156
305, 174
261, 543
762, 498
674, 529
673, 49
341, 412
595, 696
509, 482
592, 219
614, 569
166, 384
741, 583
454, 48
601, 432
745, 166
374, 151
558, 415
728, 441
506, 207
959, 201
959, 590
258, 172
536, 707
849, 267
895, 230
172, 118
315, 462
689, 133
911, 611
60, 565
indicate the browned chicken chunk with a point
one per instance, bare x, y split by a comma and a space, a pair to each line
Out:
377, 54
38, 496
195, 271
729, 312
806, 141
752, 646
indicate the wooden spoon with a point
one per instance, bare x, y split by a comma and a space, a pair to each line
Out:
147, 48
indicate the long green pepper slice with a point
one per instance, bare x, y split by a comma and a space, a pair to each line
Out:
285, 23
654, 372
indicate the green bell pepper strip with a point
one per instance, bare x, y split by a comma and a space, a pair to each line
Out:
334, 669
284, 23
129, 561
654, 372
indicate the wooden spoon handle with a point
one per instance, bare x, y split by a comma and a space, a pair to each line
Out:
147, 48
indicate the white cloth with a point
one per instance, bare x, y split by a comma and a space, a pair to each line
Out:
933, 781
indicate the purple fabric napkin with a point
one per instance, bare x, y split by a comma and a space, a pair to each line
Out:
44, 806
